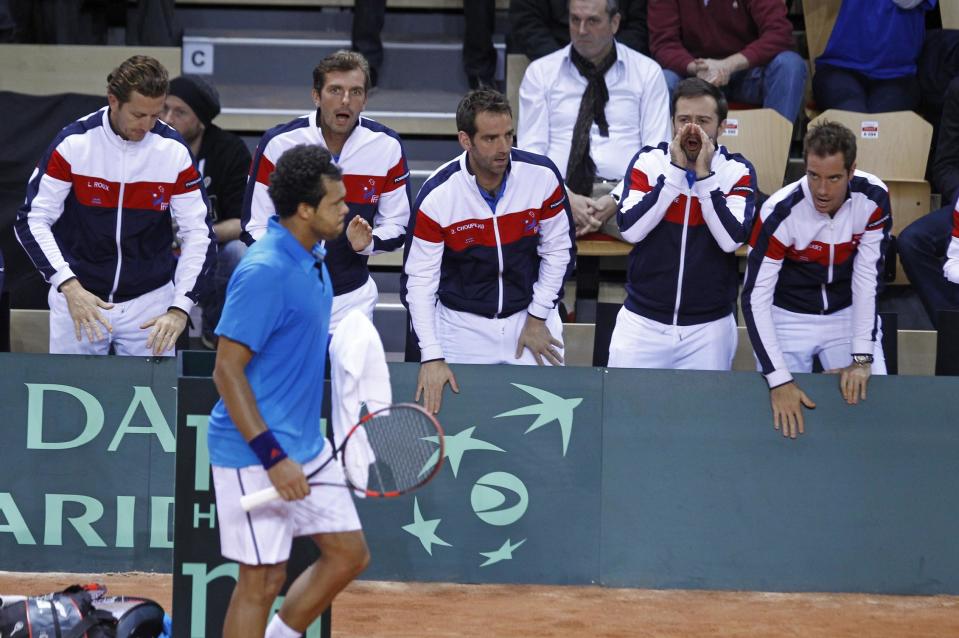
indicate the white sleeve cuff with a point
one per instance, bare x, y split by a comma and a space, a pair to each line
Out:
706, 186
863, 346
951, 270
183, 303
368, 250
61, 276
539, 310
778, 377
430, 353
676, 176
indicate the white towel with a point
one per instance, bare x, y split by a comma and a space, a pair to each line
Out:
359, 375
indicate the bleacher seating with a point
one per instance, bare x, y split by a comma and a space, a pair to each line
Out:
427, 114
949, 9
39, 69
819, 16
762, 136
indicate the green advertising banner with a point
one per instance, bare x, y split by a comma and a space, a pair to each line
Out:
517, 500
87, 463
203, 581
639, 478
700, 492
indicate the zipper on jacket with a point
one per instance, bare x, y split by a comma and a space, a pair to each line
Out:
499, 257
682, 258
832, 255
123, 183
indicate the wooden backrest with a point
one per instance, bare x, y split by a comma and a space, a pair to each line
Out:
892, 146
819, 17
48, 69
949, 9
762, 136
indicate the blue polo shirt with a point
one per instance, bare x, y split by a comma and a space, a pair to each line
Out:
278, 305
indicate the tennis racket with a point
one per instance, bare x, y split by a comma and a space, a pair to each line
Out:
390, 452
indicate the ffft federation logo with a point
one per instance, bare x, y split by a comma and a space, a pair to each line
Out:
158, 199
369, 192
532, 224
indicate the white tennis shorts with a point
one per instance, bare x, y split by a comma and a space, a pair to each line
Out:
362, 299
471, 338
264, 536
640, 342
126, 317
802, 336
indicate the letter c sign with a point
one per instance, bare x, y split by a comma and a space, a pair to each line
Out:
197, 57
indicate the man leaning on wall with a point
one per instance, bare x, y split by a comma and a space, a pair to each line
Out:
97, 223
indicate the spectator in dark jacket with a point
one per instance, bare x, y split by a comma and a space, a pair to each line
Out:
922, 245
539, 27
745, 48
223, 161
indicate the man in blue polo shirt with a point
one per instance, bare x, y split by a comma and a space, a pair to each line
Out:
265, 430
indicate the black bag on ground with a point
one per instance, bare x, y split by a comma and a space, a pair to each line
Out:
66, 614
80, 612
136, 617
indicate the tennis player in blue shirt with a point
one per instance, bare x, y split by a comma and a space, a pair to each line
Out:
265, 430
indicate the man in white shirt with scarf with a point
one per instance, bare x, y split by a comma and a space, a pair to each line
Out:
589, 106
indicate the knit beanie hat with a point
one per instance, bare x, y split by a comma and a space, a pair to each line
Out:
199, 95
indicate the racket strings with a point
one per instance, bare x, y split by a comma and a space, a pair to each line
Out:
404, 454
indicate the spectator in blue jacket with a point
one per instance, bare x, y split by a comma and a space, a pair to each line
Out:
869, 65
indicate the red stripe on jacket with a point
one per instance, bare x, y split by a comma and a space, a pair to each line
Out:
59, 168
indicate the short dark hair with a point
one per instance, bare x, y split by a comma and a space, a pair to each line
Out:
139, 73
697, 87
828, 138
476, 102
612, 7
342, 61
298, 175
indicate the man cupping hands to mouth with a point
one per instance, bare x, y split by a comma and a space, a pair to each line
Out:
692, 149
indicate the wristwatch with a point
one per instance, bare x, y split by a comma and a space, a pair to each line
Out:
862, 359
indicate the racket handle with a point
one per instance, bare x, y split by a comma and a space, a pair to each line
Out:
256, 499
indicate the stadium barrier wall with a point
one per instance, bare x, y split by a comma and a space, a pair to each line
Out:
86, 463
638, 478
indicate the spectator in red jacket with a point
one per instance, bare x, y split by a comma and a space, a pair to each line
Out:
744, 47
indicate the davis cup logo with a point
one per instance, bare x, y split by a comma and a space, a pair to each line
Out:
489, 496
499, 499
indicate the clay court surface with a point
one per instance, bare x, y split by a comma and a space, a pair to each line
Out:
392, 610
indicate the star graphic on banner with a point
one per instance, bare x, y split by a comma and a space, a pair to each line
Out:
503, 553
424, 530
455, 446
550, 408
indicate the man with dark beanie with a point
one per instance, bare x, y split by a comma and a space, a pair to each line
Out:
224, 162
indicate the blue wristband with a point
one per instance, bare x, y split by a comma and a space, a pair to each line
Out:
267, 449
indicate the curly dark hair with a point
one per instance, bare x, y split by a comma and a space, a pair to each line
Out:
829, 138
139, 73
298, 175
479, 101
342, 61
